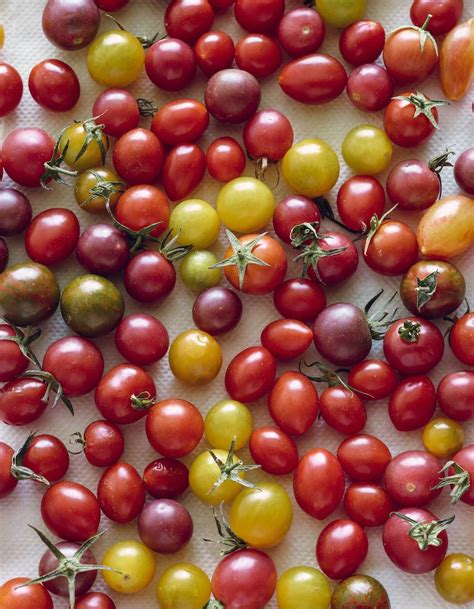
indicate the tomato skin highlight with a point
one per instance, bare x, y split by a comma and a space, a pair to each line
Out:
313, 79
250, 374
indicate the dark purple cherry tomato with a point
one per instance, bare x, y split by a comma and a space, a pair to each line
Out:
339, 266
59, 585
374, 378
138, 156
47, 456
7, 481
341, 548
413, 403
180, 121
52, 236
15, 212
293, 403
11, 86
455, 395
343, 410
121, 492
183, 171
102, 249
165, 526
12, 360
141, 339
225, 159
286, 339
22, 401
4, 254
118, 111
54, 85
166, 478
412, 185
261, 16
103, 443
464, 171
300, 299
170, 64
232, 96
273, 450
444, 14
188, 19
368, 504
250, 374
258, 54
461, 339
268, 134
24, 153
364, 458
149, 277
369, 87
214, 51
410, 478
96, 600
291, 211
313, 79
358, 199
70, 24
362, 42
301, 31
217, 310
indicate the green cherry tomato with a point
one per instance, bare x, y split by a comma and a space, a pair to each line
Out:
196, 272
195, 357
340, 13
454, 578
91, 305
442, 437
303, 588
311, 167
87, 181
135, 564
245, 205
183, 586
76, 134
226, 421
367, 150
360, 591
115, 59
29, 293
195, 222
204, 472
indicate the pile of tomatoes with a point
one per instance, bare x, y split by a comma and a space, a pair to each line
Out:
135, 239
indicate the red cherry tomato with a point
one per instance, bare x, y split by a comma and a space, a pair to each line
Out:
12, 360
402, 126
52, 236
301, 31
34, 596
183, 170
455, 393
174, 427
225, 159
214, 51
142, 205
293, 403
461, 339
121, 493
268, 134
103, 443
261, 16
11, 86
370, 88
138, 157
410, 478
221, 5
364, 458
141, 339
318, 483
170, 64
149, 277
444, 14
412, 185
24, 153
374, 378
300, 299
54, 85
47, 456
118, 111
250, 374
286, 338
465, 458
358, 199
291, 211
274, 451
313, 79
95, 600
341, 548
413, 403
258, 54
368, 504
22, 401
188, 19
7, 481
124, 393
362, 42
338, 267
343, 410
392, 250
166, 478
180, 121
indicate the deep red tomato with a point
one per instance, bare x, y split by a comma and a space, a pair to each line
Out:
141, 339
7, 481
149, 277
455, 393
374, 378
183, 170
110, 6
341, 548
410, 478
343, 410
368, 504
214, 51
461, 339
300, 299
124, 393
22, 401
258, 54
118, 111
103, 249
142, 205
292, 211
465, 459
103, 443
392, 250
70, 511
225, 159
313, 79
174, 427
301, 31
364, 458
250, 374
15, 210
166, 478
170, 64
11, 86
413, 403
273, 450
138, 156
413, 345
286, 338
29, 597
188, 19
12, 360
121, 492
410, 55
403, 127
293, 403
4, 254
268, 135
180, 121
232, 95
217, 310
47, 456
246, 578
404, 551
358, 199
318, 483
95, 600
54, 85
24, 153
332, 269
444, 14
76, 363
370, 88
261, 16
52, 236
362, 42
412, 185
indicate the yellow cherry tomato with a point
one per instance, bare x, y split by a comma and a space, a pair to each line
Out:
196, 272
195, 222
2, 36
261, 516
195, 357
454, 578
226, 421
245, 205
311, 167
77, 135
88, 182
443, 437
340, 13
204, 473
136, 565
183, 586
115, 59
367, 150
303, 588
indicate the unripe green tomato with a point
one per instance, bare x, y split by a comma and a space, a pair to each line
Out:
196, 272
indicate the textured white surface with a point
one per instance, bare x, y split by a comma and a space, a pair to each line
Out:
21, 550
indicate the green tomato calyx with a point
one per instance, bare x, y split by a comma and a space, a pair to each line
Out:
23, 338
232, 470
146, 107
142, 401
425, 289
375, 224
103, 189
20, 472
381, 320
52, 385
425, 533
145, 41
94, 133
331, 377
460, 481
410, 331
423, 105
228, 538
53, 169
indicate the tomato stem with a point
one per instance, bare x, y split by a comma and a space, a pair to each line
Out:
146, 107
425, 289
425, 533
142, 401
460, 481
52, 385
379, 322
410, 331
24, 338
374, 225
228, 538
326, 211
230, 470
423, 105
20, 472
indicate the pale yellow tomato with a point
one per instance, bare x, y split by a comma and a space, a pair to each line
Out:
367, 150
303, 588
75, 136
340, 13
443, 437
245, 205
196, 270
226, 421
204, 472
115, 59
195, 357
311, 167
195, 222
135, 565
183, 586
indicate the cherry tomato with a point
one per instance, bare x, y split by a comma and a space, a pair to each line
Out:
174, 427
121, 492
24, 153
115, 58
367, 150
258, 54
70, 25
11, 86
12, 360
183, 170
149, 277
341, 548
300, 299
274, 451
443, 437
293, 403
102, 249
15, 211
22, 401
133, 566
183, 585
454, 395
374, 378
461, 339
204, 473
110, 6
362, 42
4, 254
455, 62
217, 310
141, 339
70, 511
181, 121
79, 150
370, 88
454, 577
362, 590
166, 478
195, 357
124, 393
301, 31
195, 222
340, 13
214, 51
364, 458
286, 339
225, 159
85, 191
29, 597
268, 135
138, 157
412, 185
7, 481
232, 96
103, 443
413, 403
303, 588
170, 64
403, 127
47, 456
250, 374
291, 211
54, 85
318, 483
52, 236
334, 268
118, 111
197, 270
343, 410
444, 14
142, 205
95, 600
228, 421
464, 170
261, 16
410, 478
369, 505
188, 19
465, 459
246, 205
358, 199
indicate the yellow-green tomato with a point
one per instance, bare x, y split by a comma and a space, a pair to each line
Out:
303, 588
311, 167
245, 205
195, 357
443, 437
135, 565
87, 181
195, 222
226, 421
76, 134
115, 59
261, 516
367, 150
196, 272
183, 586
340, 13
203, 474
454, 578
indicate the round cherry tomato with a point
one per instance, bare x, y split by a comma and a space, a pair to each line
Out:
180, 121
22, 401
115, 58
138, 156
183, 585
133, 566
412, 185
79, 150
362, 42
149, 277
141, 339
362, 590
444, 14
358, 199
374, 378
183, 170
11, 86
454, 395
245, 205
343, 410
52, 236
250, 374
303, 588
195, 222
225, 159
274, 451
217, 310
364, 458
268, 135
300, 299
406, 128
102, 249
410, 55
367, 150
286, 338
24, 153
228, 421
85, 191
95, 600
461, 339
337, 267
214, 51
258, 54
311, 167
141, 206
29, 597
103, 443
293, 403
259, 16
188, 19
197, 270
166, 478
301, 31
195, 357
121, 492
70, 25
410, 478
413, 403
54, 85
341, 548
291, 211
12, 360
7, 481
465, 459
118, 111
318, 483
232, 96
47, 456
463, 171
454, 577
170, 64
443, 437
370, 88
368, 504
15, 211
340, 13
